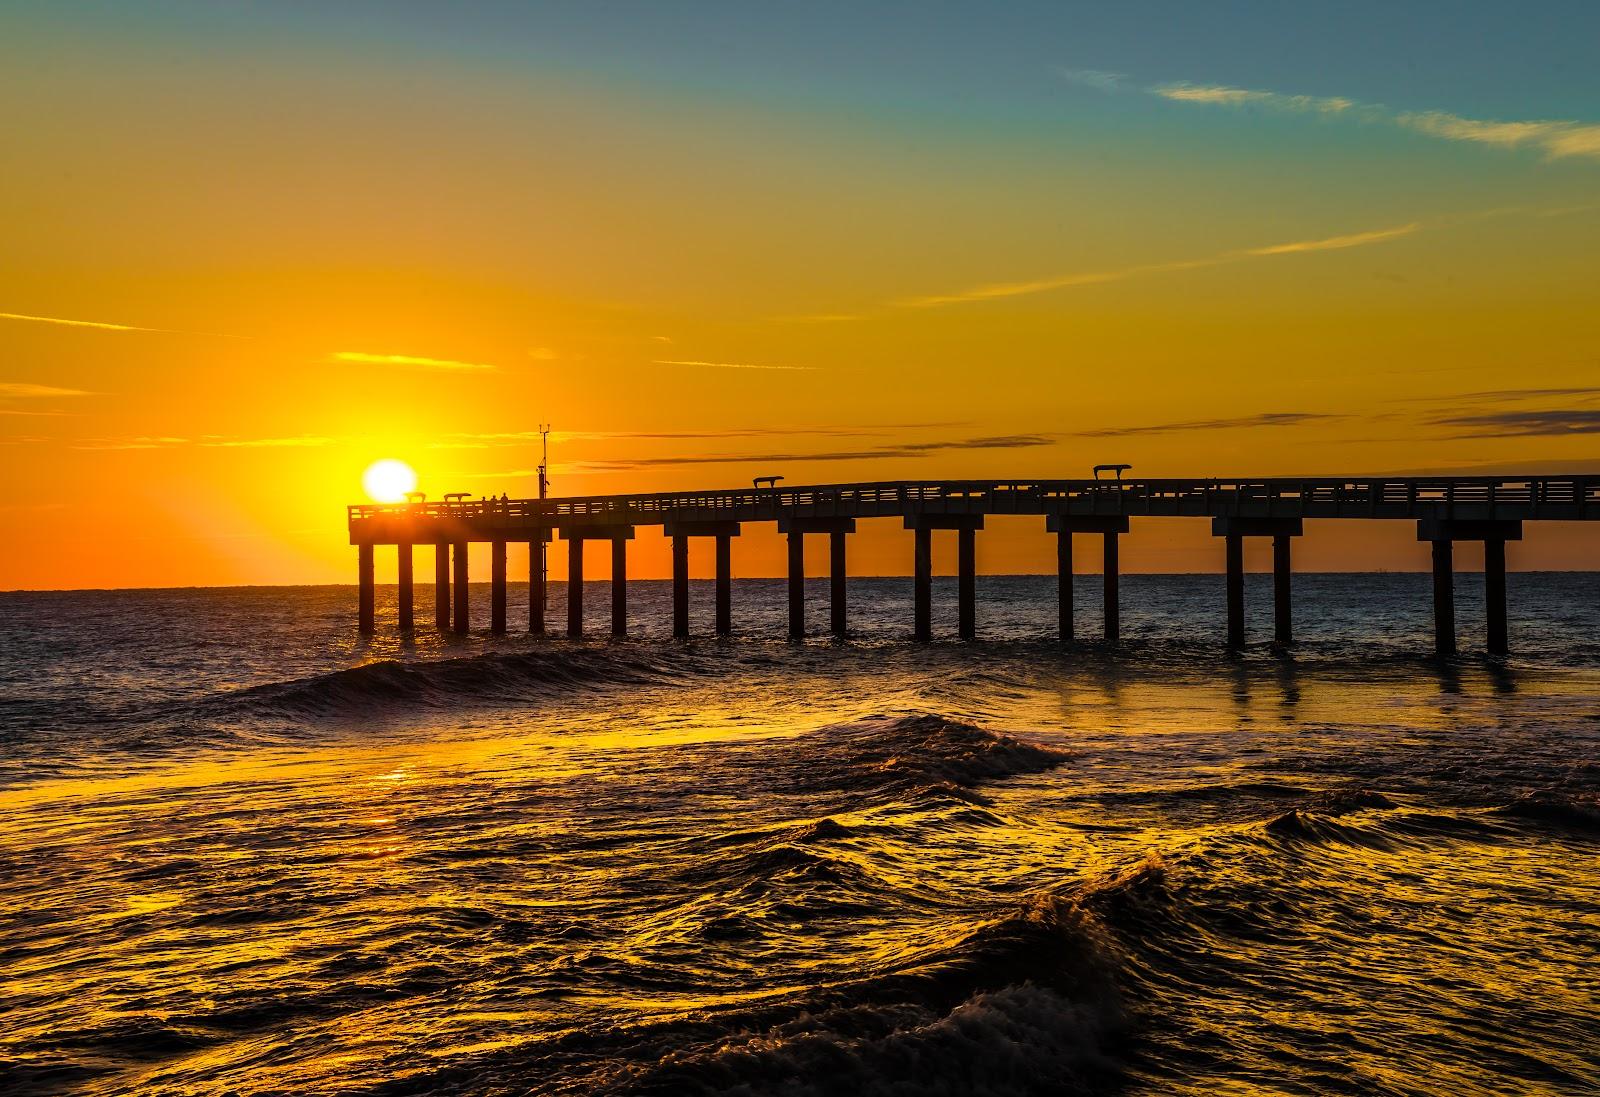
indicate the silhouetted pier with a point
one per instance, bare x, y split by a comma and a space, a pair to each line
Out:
1491, 510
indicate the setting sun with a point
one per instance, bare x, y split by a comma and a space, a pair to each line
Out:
388, 481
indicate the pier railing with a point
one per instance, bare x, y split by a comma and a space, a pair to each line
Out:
1387, 497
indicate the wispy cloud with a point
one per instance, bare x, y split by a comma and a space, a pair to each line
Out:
268, 443
22, 390
412, 360
216, 441
997, 290
725, 365
1334, 243
1238, 97
489, 439
1098, 79
1265, 419
871, 453
1525, 424
1556, 138
101, 325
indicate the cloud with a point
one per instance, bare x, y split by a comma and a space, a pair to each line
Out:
1334, 243
1237, 97
1266, 419
892, 450
487, 439
1095, 78
998, 290
1555, 138
541, 354
407, 360
209, 440
22, 390
101, 325
724, 365
1525, 424
74, 323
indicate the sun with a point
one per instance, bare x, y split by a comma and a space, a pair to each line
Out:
388, 481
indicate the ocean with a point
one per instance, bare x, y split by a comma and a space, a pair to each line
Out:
245, 851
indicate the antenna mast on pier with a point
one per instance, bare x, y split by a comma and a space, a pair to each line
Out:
544, 460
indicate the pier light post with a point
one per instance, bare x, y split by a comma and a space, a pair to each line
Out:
723, 533
1233, 530
1494, 533
966, 527
1110, 528
795, 527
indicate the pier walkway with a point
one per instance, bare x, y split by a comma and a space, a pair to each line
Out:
1446, 510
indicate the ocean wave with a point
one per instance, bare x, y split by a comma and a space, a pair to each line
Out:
921, 756
448, 682
1579, 813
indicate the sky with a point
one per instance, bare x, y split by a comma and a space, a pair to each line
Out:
250, 249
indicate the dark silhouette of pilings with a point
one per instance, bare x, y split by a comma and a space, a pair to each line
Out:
1110, 529
459, 600
366, 592
966, 527
722, 533
441, 585
575, 535
1443, 533
795, 528
497, 586
404, 587
1233, 531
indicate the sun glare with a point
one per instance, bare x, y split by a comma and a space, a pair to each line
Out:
388, 481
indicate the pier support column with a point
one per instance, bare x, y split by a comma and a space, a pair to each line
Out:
836, 583
680, 587
575, 588
537, 595
497, 586
679, 533
575, 536
1494, 533
797, 585
1234, 530
966, 527
1235, 591
795, 527
1444, 597
1064, 586
458, 601
922, 586
441, 586
966, 584
1494, 593
724, 597
1282, 578
1113, 590
1110, 527
404, 587
619, 586
366, 591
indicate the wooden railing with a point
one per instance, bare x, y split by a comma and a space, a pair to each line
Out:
1332, 497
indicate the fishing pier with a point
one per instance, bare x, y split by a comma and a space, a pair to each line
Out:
1490, 510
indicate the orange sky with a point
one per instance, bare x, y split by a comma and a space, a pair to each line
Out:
290, 268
